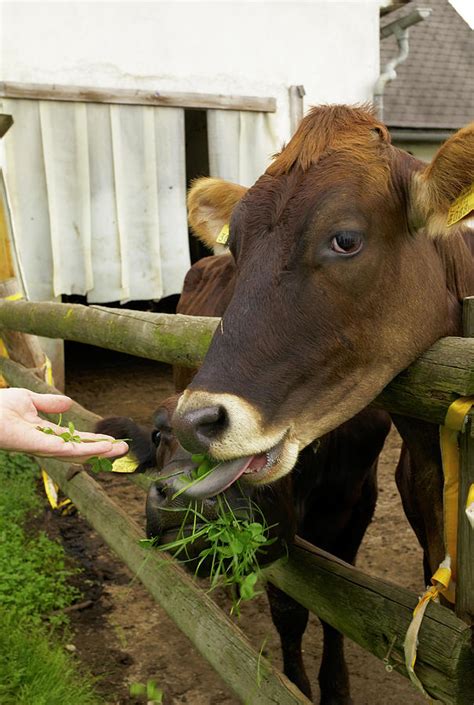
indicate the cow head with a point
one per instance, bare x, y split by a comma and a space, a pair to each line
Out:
346, 272
171, 514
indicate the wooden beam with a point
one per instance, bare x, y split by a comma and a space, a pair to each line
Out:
249, 675
170, 338
296, 97
425, 390
376, 614
465, 567
130, 96
17, 376
372, 612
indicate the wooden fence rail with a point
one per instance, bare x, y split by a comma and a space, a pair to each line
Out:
372, 612
424, 390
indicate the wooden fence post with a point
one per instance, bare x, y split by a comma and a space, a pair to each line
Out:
465, 576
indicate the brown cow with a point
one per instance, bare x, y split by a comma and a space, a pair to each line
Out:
346, 272
329, 498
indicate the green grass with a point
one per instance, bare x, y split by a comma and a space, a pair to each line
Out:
33, 573
233, 544
36, 671
34, 668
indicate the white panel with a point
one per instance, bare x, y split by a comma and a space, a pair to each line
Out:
241, 144
99, 199
171, 162
25, 178
66, 159
258, 143
105, 244
223, 136
133, 139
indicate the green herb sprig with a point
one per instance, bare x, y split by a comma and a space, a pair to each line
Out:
232, 547
97, 464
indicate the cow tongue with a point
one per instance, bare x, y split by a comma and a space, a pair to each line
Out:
221, 477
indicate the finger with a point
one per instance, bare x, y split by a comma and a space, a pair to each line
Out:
118, 449
51, 403
39, 443
76, 452
84, 435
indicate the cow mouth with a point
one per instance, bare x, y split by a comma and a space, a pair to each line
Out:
252, 469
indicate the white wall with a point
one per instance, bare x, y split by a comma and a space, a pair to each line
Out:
245, 48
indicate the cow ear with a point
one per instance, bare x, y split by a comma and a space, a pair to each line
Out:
210, 206
443, 192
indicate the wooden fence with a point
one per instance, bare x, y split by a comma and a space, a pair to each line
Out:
320, 582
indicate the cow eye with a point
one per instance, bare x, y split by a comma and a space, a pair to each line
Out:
156, 437
347, 242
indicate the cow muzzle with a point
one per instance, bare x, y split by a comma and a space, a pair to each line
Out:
231, 430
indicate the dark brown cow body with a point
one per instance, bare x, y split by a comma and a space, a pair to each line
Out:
329, 499
346, 272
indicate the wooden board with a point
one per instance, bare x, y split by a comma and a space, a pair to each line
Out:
465, 568
248, 674
124, 96
372, 612
425, 390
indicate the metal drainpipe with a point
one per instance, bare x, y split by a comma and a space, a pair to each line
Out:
400, 29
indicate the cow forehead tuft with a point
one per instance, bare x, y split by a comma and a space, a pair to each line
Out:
331, 127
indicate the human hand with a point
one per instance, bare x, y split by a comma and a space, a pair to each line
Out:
19, 421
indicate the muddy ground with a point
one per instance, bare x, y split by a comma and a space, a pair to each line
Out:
124, 637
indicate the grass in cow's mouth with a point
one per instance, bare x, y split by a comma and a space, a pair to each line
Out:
232, 542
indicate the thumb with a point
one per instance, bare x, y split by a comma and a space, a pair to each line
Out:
51, 403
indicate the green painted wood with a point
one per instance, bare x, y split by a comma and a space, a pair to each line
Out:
465, 567
376, 614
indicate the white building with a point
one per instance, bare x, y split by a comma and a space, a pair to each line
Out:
97, 189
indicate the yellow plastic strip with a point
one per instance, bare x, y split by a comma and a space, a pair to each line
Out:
51, 489
48, 371
411, 639
223, 235
462, 206
443, 580
128, 463
454, 424
14, 297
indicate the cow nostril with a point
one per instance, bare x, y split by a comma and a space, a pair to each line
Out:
210, 422
197, 428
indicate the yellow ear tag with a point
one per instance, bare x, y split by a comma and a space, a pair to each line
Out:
223, 235
128, 463
462, 206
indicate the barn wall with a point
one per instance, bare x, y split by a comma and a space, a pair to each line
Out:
246, 48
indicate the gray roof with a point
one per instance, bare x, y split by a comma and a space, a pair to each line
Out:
434, 88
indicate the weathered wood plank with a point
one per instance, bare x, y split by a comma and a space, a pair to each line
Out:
370, 611
249, 675
17, 376
465, 568
166, 337
376, 615
425, 390
126, 96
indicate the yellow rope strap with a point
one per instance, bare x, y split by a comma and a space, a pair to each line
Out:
443, 580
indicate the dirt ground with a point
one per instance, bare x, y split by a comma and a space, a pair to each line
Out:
124, 637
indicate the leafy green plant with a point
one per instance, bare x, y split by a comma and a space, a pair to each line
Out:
34, 574
97, 464
34, 670
150, 690
233, 544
